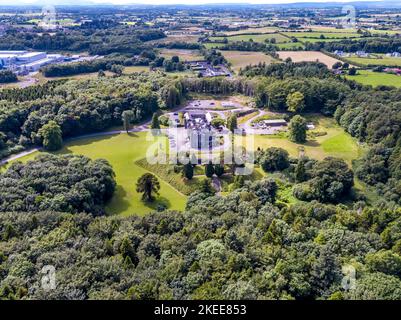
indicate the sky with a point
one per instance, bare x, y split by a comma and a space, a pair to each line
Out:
153, 2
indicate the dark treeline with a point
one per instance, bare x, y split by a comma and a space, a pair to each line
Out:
220, 85
288, 69
7, 76
180, 45
248, 46
31, 92
374, 45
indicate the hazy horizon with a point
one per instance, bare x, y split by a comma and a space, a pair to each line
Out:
171, 2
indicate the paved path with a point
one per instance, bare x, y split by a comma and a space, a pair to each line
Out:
18, 155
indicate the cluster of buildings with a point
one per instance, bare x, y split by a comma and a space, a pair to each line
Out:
205, 69
24, 62
363, 54
359, 54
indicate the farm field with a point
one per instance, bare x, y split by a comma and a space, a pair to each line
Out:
376, 78
251, 30
314, 40
298, 56
122, 151
42, 79
376, 60
330, 35
132, 69
241, 59
255, 37
290, 46
184, 55
330, 29
211, 45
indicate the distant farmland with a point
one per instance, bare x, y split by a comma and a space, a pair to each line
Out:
313, 56
241, 59
184, 55
255, 37
326, 35
251, 30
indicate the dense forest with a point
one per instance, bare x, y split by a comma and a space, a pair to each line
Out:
237, 247
97, 37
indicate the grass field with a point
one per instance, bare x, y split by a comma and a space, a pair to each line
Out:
298, 56
184, 55
211, 45
255, 37
240, 59
42, 79
326, 35
122, 151
376, 60
133, 69
376, 78
251, 30
290, 46
334, 143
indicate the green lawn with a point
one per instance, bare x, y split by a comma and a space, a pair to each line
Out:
211, 45
290, 46
375, 79
376, 60
326, 35
122, 151
255, 37
335, 142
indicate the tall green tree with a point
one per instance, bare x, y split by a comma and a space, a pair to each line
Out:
300, 171
155, 122
148, 184
127, 116
219, 170
232, 122
51, 135
297, 129
295, 102
209, 170
188, 171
